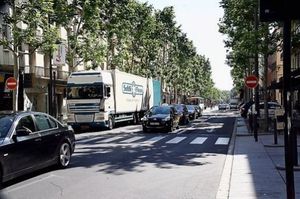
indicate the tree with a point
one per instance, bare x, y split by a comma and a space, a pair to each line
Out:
22, 27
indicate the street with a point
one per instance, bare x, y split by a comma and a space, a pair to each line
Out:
127, 163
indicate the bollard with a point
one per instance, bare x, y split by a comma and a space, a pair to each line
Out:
275, 132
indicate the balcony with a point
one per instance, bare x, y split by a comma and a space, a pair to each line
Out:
44, 72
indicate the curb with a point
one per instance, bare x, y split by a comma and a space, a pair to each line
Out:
224, 186
278, 167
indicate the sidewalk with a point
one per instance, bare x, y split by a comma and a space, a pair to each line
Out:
251, 167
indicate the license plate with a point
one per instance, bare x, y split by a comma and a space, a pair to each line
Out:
154, 123
84, 127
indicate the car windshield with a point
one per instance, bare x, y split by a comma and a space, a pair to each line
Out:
5, 124
179, 107
160, 110
190, 107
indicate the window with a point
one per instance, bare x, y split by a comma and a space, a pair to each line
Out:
53, 123
43, 122
27, 123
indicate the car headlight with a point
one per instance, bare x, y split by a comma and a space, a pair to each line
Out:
144, 119
166, 119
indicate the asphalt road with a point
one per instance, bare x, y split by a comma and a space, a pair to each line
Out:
126, 163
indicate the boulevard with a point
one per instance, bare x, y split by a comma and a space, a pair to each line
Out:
127, 163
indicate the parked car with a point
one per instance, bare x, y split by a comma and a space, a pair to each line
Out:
30, 141
223, 106
183, 113
271, 109
192, 112
198, 110
161, 117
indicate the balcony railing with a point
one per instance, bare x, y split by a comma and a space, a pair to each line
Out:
44, 72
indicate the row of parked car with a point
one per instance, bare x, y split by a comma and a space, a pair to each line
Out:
32, 140
168, 117
248, 109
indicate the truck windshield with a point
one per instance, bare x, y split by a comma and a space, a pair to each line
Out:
85, 92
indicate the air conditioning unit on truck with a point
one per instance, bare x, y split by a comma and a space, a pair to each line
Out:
104, 98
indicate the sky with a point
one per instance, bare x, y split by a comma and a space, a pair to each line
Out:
199, 20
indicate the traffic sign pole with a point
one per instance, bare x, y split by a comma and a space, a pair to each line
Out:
289, 169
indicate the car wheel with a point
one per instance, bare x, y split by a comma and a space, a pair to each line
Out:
110, 123
1, 175
64, 155
145, 130
171, 127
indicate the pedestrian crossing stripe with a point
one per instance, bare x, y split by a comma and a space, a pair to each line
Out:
222, 141
132, 139
199, 140
110, 139
154, 139
175, 140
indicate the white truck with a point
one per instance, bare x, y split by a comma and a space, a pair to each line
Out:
103, 98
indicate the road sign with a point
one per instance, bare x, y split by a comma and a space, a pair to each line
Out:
59, 56
251, 81
11, 83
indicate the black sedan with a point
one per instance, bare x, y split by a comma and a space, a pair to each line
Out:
192, 112
30, 141
183, 113
160, 117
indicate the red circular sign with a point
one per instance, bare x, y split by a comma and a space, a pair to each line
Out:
251, 81
11, 83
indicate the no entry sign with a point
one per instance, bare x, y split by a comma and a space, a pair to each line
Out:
11, 83
251, 81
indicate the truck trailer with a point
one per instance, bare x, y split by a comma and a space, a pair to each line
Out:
104, 98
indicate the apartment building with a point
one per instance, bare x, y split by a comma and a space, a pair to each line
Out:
34, 80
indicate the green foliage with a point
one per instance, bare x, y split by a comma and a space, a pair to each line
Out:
127, 34
243, 40
28, 22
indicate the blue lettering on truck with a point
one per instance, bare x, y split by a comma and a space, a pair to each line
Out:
132, 89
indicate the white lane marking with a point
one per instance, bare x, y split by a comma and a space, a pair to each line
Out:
199, 140
222, 141
132, 139
175, 140
153, 140
210, 130
110, 139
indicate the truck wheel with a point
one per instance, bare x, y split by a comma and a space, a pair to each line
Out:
111, 123
135, 118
